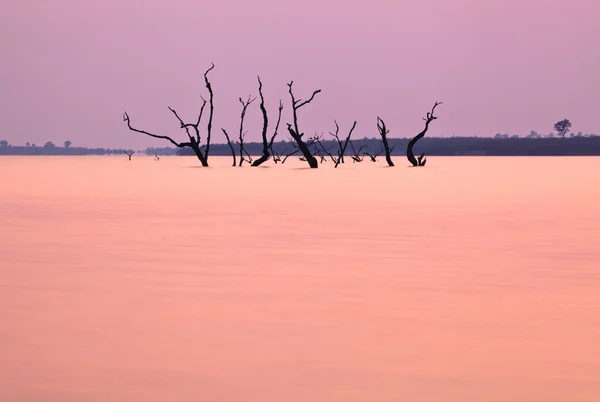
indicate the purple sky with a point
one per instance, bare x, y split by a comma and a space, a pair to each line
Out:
71, 67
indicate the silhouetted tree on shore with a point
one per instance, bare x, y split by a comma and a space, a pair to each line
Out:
409, 150
562, 127
295, 131
194, 138
68, 144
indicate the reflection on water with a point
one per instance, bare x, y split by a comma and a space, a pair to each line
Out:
473, 279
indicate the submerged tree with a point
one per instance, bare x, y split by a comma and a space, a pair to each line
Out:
375, 155
356, 154
230, 147
562, 127
383, 132
129, 153
242, 134
295, 131
194, 137
409, 150
267, 145
342, 149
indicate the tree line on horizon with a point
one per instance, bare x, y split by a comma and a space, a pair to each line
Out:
436, 146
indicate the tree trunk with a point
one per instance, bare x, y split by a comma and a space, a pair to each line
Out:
311, 160
199, 154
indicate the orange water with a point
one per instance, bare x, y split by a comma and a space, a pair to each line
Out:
473, 279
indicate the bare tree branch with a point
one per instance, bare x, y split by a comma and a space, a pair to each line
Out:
164, 137
288, 154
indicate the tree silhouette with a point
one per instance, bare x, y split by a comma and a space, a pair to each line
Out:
295, 131
230, 146
49, 144
194, 138
562, 127
129, 153
383, 132
409, 150
3, 143
68, 144
242, 134
342, 148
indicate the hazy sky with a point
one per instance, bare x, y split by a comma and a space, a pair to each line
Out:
69, 68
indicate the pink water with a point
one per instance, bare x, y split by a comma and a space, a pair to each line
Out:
473, 279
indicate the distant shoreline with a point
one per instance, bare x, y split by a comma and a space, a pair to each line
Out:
433, 146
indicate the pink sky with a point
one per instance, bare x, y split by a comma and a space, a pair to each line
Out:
71, 67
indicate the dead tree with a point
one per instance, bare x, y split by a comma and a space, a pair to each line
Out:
276, 157
194, 138
342, 149
374, 156
129, 153
267, 145
322, 150
230, 147
242, 134
339, 142
421, 161
295, 131
356, 154
383, 131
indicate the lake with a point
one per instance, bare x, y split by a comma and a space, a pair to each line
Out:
473, 279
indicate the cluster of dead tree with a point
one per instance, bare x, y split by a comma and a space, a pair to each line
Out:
313, 150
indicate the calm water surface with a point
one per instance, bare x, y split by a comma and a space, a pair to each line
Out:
474, 279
